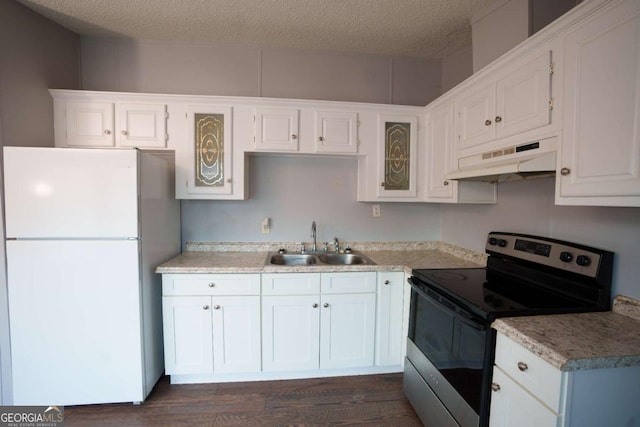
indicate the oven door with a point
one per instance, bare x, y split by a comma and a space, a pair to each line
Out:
451, 350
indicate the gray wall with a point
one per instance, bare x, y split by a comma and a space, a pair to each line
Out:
242, 70
293, 191
528, 206
35, 54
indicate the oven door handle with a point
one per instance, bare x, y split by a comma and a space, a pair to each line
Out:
466, 319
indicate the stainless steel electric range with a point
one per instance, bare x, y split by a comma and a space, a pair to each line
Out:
451, 346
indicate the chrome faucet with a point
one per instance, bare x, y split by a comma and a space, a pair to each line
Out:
336, 245
313, 234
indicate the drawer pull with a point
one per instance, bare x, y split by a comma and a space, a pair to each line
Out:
522, 366
216, 307
205, 307
211, 285
315, 305
325, 305
495, 387
386, 282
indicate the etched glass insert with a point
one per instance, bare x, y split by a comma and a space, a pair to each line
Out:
209, 148
396, 155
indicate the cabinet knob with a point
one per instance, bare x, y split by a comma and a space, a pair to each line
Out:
107, 132
382, 184
498, 119
522, 366
216, 307
446, 183
315, 305
320, 139
565, 171
205, 307
386, 282
325, 305
124, 132
495, 387
211, 285
229, 180
487, 122
294, 136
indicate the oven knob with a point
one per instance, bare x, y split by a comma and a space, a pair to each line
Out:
493, 241
502, 243
583, 260
566, 256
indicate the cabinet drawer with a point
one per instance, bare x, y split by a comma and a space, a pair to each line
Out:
512, 405
348, 282
534, 374
291, 284
211, 284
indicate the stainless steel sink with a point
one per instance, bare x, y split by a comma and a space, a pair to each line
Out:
292, 259
344, 259
318, 259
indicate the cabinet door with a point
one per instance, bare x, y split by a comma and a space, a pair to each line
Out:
142, 125
511, 405
290, 332
600, 154
440, 152
347, 330
204, 162
90, 124
188, 338
398, 152
475, 119
390, 311
336, 132
523, 97
236, 334
277, 129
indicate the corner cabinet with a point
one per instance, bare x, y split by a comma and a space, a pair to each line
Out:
439, 160
204, 165
600, 153
528, 391
82, 121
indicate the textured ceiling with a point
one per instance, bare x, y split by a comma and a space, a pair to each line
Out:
419, 28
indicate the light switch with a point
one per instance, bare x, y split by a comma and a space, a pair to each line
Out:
376, 211
266, 225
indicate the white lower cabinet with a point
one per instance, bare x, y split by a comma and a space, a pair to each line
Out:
232, 327
212, 332
327, 326
528, 391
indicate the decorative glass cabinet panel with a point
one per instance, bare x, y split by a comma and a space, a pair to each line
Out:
398, 146
209, 150
208, 153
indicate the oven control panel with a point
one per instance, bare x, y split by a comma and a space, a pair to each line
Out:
550, 252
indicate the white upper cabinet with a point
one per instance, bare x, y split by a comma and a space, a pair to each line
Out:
337, 132
518, 101
276, 129
439, 160
204, 158
81, 123
397, 156
88, 124
600, 156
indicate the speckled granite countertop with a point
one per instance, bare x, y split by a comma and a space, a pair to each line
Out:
252, 257
581, 341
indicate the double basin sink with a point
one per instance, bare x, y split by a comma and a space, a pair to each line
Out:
323, 258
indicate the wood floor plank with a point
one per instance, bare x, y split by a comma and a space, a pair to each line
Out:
371, 400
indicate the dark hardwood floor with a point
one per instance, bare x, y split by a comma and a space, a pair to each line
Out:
368, 400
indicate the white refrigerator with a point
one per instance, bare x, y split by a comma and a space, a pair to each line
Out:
85, 229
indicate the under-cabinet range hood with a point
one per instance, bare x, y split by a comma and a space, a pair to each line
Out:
531, 160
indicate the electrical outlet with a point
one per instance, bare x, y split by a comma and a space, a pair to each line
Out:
266, 226
376, 211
